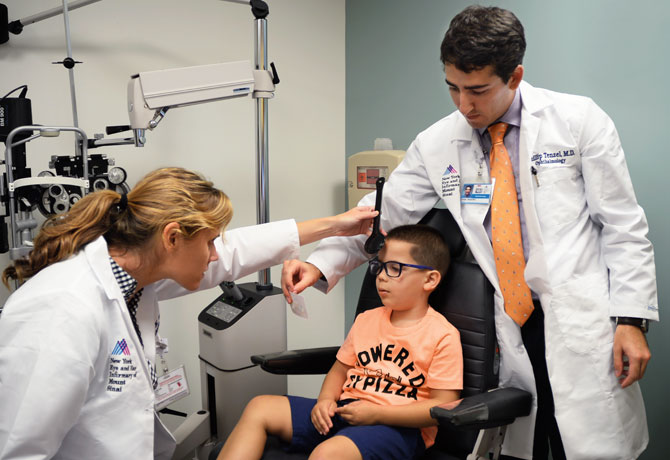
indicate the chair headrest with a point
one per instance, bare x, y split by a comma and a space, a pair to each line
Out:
442, 220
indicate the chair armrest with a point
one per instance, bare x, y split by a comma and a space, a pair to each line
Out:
495, 408
298, 362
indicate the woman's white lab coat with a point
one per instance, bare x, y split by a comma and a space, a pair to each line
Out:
589, 259
74, 380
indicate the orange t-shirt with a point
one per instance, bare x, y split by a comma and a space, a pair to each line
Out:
394, 366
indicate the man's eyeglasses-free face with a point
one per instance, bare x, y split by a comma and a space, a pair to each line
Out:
392, 268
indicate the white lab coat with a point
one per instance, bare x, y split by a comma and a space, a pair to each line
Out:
589, 259
67, 391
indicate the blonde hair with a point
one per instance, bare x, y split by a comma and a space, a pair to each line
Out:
162, 196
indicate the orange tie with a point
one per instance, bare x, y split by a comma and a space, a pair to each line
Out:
506, 231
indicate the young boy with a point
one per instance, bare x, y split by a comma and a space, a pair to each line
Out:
397, 362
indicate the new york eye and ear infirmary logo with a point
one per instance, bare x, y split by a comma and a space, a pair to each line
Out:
121, 348
121, 367
451, 181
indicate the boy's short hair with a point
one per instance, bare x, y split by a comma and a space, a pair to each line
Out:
480, 36
429, 247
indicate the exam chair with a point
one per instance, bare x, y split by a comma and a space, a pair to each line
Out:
473, 426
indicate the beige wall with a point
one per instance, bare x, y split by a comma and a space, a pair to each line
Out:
118, 38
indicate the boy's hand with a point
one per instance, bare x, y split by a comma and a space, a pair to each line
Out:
359, 413
322, 413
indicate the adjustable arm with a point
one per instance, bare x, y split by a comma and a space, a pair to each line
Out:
16, 27
151, 94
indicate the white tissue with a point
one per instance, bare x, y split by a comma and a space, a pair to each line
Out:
298, 306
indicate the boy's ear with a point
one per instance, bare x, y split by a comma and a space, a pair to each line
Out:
432, 280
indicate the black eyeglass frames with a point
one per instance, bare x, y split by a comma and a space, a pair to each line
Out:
392, 268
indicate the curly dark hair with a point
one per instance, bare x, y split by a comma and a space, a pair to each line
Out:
480, 36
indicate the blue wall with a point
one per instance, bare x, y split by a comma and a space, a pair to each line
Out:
614, 51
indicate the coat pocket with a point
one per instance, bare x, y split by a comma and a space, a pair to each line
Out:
580, 311
559, 198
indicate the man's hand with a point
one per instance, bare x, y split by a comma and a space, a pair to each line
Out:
359, 413
322, 414
296, 276
631, 354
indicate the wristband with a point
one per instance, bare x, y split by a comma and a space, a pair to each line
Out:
642, 323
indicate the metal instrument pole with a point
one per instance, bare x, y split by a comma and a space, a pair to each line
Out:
73, 96
262, 167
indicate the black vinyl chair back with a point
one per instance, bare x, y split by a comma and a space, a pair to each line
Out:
465, 298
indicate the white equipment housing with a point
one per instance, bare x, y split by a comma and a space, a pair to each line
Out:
230, 332
151, 94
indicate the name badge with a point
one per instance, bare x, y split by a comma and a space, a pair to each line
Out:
172, 386
477, 192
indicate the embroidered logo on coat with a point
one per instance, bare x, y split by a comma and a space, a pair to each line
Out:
450, 182
450, 170
121, 367
121, 348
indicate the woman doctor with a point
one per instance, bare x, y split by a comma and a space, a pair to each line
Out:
77, 340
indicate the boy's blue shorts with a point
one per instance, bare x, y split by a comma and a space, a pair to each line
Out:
375, 442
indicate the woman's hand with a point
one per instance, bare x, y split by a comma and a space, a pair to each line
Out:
355, 221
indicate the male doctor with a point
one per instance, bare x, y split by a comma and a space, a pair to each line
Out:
558, 233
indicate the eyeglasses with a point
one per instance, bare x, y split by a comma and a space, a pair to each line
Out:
392, 268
